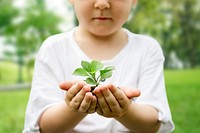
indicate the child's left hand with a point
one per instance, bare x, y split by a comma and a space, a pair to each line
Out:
113, 102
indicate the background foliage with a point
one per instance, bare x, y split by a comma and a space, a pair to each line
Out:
26, 30
175, 24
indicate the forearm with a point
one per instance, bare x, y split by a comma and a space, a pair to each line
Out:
140, 118
59, 119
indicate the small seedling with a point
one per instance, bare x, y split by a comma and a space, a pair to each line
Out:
94, 72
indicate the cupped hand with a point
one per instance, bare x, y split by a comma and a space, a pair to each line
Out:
112, 101
78, 97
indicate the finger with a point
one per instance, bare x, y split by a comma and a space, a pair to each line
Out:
110, 99
99, 110
119, 95
85, 104
131, 93
73, 91
101, 101
79, 96
66, 85
93, 105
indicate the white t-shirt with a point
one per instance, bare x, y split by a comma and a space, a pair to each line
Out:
138, 65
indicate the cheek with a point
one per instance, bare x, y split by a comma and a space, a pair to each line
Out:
124, 12
123, 17
82, 13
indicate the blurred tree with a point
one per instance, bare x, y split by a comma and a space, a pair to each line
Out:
184, 31
149, 17
76, 23
29, 30
7, 13
176, 24
178, 37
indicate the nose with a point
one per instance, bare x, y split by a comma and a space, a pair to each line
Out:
102, 4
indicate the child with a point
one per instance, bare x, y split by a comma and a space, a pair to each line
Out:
69, 107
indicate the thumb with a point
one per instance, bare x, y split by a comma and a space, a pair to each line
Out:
65, 85
131, 93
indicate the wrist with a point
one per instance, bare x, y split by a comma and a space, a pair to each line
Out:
72, 112
125, 114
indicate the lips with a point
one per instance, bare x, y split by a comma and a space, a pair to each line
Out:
102, 18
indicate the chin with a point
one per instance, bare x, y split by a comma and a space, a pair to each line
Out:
103, 32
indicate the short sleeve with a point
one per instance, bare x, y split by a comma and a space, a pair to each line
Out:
45, 90
152, 86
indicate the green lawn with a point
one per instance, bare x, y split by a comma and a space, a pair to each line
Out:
183, 89
9, 72
13, 105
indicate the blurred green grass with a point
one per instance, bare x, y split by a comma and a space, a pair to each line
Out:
9, 72
13, 106
183, 89
6, 70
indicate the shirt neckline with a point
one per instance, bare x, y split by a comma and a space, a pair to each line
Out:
83, 56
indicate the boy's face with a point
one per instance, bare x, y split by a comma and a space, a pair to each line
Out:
102, 17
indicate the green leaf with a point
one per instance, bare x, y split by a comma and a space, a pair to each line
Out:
90, 81
90, 70
80, 72
105, 74
86, 65
109, 68
96, 65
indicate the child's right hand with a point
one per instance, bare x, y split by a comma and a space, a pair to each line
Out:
78, 97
